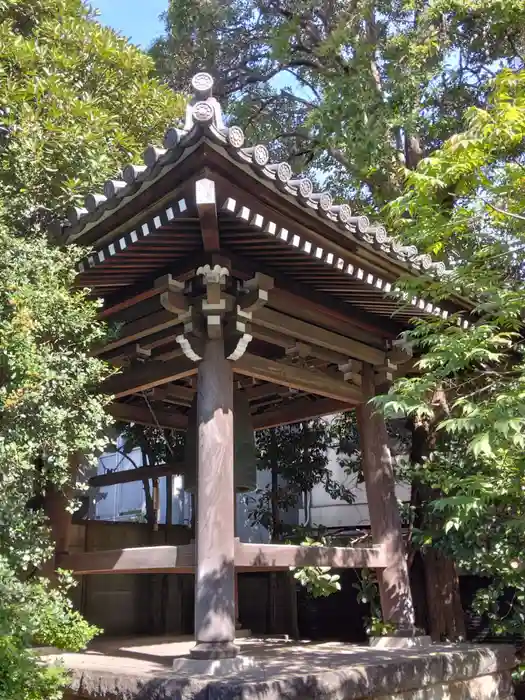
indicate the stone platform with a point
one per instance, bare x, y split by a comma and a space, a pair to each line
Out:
141, 669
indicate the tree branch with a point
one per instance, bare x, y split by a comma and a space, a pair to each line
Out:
302, 100
510, 214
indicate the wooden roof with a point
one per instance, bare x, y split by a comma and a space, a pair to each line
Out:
206, 192
147, 219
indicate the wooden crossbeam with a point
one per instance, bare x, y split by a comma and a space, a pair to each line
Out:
302, 409
127, 476
181, 559
315, 336
134, 331
142, 415
283, 556
133, 560
291, 294
147, 375
297, 378
173, 392
261, 391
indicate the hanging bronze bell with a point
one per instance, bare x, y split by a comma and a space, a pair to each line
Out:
245, 455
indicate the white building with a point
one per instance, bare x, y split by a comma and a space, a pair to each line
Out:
330, 513
127, 501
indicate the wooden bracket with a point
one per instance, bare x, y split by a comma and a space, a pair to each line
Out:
238, 334
385, 374
175, 302
255, 292
142, 354
190, 340
352, 371
299, 350
400, 351
168, 283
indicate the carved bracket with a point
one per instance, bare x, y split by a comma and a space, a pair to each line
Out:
213, 305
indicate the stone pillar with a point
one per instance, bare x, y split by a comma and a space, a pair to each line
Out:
385, 521
215, 555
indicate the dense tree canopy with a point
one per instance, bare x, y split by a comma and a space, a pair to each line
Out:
298, 460
355, 90
470, 395
77, 102
82, 102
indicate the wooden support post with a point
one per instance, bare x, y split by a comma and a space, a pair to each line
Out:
385, 521
169, 502
56, 502
215, 560
55, 507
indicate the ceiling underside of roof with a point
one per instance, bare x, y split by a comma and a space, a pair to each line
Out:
169, 241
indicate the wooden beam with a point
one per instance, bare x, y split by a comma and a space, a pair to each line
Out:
108, 311
283, 556
314, 335
156, 341
261, 391
206, 202
297, 378
181, 559
134, 331
142, 415
302, 409
173, 392
146, 375
128, 476
138, 560
332, 313
290, 345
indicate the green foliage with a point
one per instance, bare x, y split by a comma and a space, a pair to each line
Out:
47, 412
345, 440
364, 88
318, 580
83, 102
470, 393
297, 455
33, 612
368, 594
77, 103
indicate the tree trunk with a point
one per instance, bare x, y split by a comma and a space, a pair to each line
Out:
150, 510
294, 617
445, 614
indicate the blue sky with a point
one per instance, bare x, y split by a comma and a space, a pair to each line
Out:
136, 19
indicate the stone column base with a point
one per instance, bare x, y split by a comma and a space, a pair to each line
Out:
392, 642
188, 666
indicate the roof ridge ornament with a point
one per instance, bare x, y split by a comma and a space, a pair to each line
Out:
204, 108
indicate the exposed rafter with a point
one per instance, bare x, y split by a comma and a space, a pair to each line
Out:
206, 201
